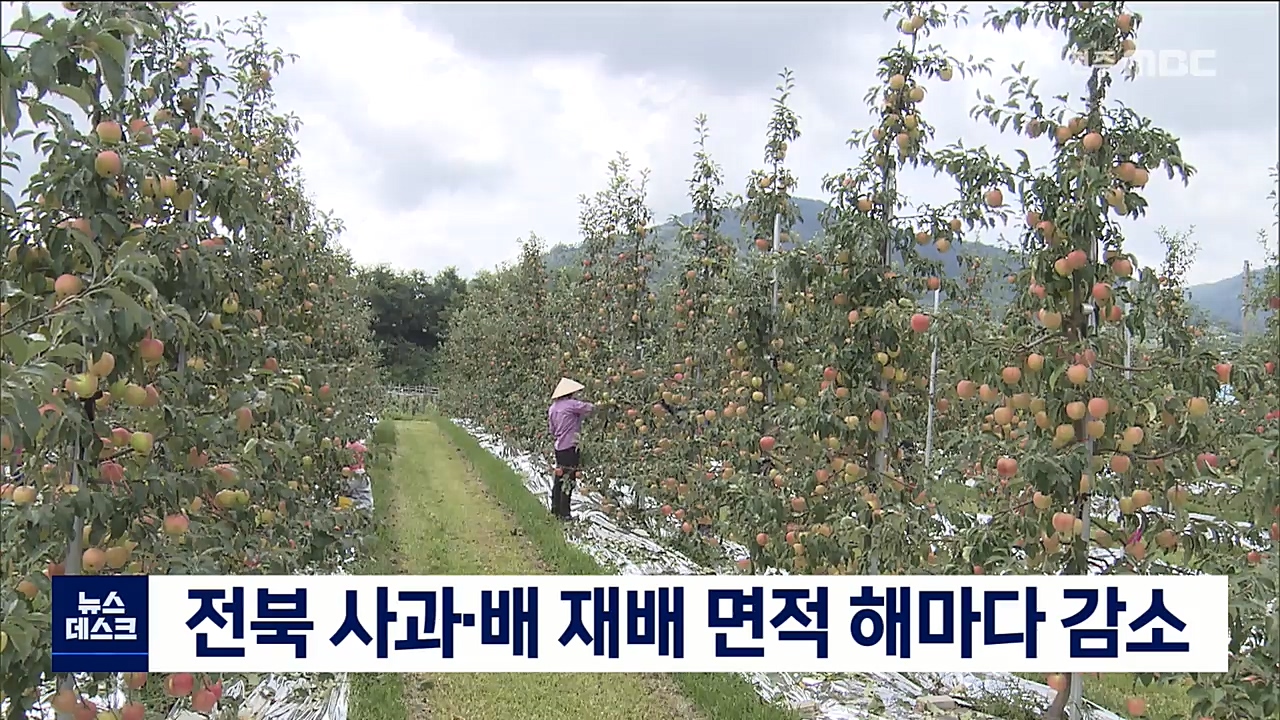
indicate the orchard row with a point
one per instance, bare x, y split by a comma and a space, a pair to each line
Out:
806, 404
183, 373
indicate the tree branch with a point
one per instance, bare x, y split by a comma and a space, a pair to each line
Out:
1117, 366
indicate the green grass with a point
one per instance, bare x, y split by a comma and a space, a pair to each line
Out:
1165, 701
449, 507
406, 409
717, 696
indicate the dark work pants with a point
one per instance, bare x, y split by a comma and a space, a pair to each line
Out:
567, 464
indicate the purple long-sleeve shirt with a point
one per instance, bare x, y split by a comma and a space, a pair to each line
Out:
564, 418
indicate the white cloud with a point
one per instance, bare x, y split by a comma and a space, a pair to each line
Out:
507, 144
555, 123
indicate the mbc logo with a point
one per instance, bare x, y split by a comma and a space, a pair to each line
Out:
1151, 63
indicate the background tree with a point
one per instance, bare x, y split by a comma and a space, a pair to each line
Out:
410, 317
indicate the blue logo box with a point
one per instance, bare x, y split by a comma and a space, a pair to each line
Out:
100, 623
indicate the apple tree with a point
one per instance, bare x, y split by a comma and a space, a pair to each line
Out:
1084, 435
182, 366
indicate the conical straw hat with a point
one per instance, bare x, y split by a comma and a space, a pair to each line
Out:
565, 387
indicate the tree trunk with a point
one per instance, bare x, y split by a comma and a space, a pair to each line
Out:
1057, 708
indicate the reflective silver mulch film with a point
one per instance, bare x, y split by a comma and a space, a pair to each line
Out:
280, 697
843, 696
275, 697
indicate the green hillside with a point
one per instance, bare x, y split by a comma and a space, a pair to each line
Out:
1222, 304
1220, 301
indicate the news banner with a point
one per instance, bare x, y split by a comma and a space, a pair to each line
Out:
496, 624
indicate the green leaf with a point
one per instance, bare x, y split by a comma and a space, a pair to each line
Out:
138, 280
22, 635
78, 94
120, 25
29, 415
10, 109
113, 47
91, 249
69, 352
26, 23
39, 114
113, 74
39, 343
130, 307
43, 63
15, 346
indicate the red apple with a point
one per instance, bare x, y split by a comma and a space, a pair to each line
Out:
1007, 467
203, 700
179, 684
1224, 372
1206, 460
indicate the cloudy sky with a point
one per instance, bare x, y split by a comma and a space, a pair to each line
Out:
442, 133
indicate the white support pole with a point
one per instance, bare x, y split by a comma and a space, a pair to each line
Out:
933, 390
773, 303
1244, 304
1128, 340
882, 455
191, 215
777, 240
71, 565
1075, 709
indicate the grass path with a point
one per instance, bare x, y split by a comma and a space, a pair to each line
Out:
447, 510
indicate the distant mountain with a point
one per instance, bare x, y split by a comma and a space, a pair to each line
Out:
1220, 301
808, 226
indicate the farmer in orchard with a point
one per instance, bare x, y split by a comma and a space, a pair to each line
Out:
564, 418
